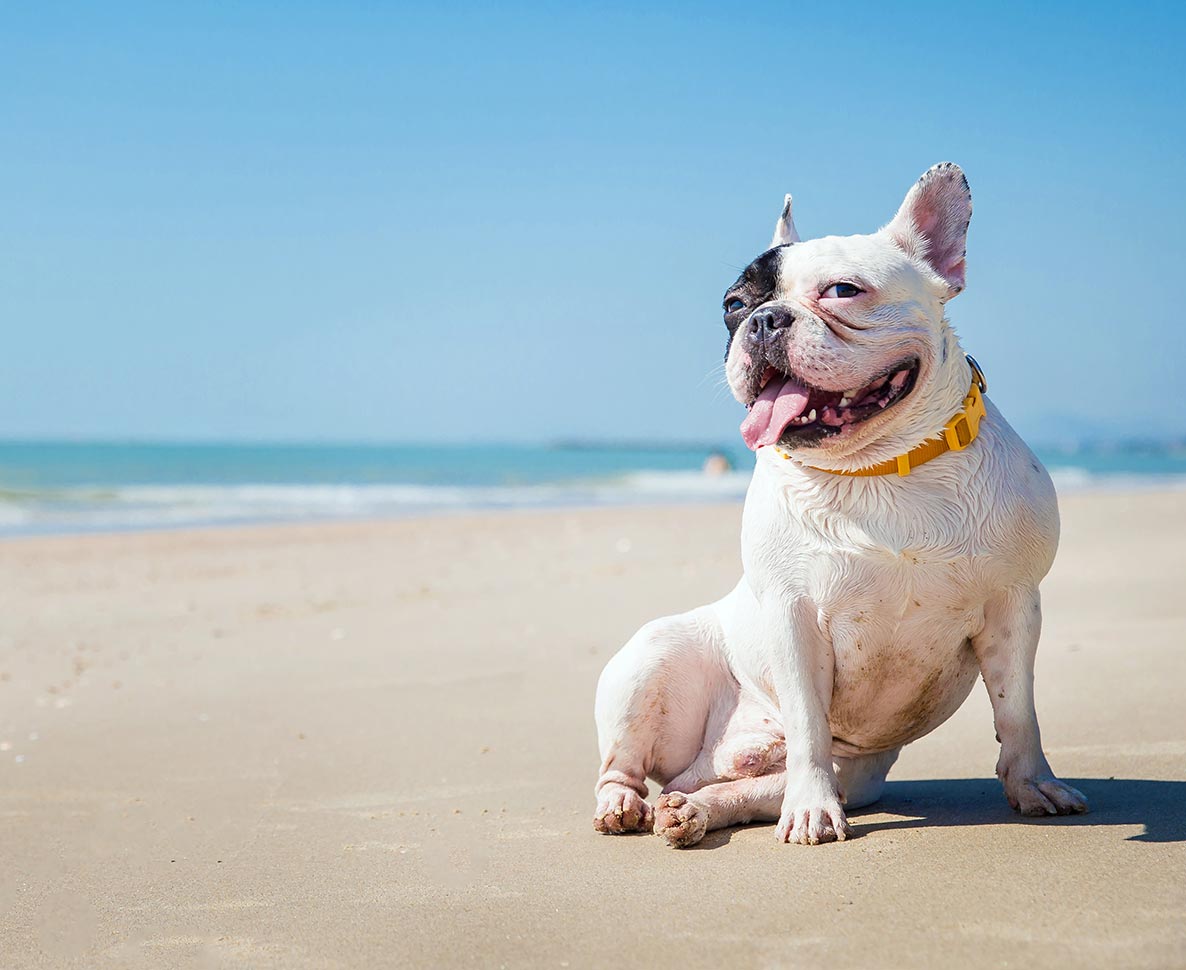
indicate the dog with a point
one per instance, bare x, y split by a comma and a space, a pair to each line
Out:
894, 537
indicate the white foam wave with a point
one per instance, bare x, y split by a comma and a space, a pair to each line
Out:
1070, 478
165, 506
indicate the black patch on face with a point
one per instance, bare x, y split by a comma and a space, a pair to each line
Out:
755, 286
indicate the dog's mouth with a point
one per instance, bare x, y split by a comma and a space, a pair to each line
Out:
791, 412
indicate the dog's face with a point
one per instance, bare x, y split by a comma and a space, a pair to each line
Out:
835, 342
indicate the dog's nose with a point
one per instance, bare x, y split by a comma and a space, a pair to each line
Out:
764, 324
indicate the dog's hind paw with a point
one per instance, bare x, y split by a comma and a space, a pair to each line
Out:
680, 820
621, 810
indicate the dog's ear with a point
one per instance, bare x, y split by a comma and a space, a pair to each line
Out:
932, 224
784, 229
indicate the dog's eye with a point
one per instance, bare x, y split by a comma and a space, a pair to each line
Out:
733, 305
841, 291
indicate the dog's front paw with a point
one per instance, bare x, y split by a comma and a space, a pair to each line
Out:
1044, 796
621, 810
680, 820
812, 821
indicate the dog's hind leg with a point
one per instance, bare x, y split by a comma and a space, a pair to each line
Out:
654, 702
683, 818
684, 815
743, 740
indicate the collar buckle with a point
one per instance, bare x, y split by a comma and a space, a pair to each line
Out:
962, 429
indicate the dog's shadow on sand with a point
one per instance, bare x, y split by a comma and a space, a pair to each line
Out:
1158, 806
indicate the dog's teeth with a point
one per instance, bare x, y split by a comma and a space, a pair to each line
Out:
811, 416
845, 401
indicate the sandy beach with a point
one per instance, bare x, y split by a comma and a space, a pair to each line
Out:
371, 745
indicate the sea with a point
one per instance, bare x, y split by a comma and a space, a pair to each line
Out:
49, 487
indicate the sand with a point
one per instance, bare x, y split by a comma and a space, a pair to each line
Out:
371, 745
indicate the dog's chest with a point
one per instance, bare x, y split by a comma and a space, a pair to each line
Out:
899, 626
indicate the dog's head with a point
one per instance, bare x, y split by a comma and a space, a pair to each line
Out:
839, 345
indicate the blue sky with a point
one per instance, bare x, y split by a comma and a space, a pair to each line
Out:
515, 222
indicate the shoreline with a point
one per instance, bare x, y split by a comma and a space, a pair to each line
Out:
1115, 485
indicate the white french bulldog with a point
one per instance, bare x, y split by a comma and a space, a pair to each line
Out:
893, 539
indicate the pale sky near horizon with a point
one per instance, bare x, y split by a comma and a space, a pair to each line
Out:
361, 221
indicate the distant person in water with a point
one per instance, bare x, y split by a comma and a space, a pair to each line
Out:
717, 464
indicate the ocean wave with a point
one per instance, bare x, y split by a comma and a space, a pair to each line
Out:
165, 506
81, 509
1071, 478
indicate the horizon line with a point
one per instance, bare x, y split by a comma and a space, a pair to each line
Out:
574, 443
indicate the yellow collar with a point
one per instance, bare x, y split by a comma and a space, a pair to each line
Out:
958, 433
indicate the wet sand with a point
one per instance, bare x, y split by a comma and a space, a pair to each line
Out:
371, 745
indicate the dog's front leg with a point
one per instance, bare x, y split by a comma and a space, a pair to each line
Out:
802, 667
1005, 648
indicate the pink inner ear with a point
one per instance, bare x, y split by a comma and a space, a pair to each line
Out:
933, 222
944, 227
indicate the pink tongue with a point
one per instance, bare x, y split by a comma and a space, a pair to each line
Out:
781, 401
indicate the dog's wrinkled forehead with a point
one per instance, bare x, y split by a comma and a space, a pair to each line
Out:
872, 261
